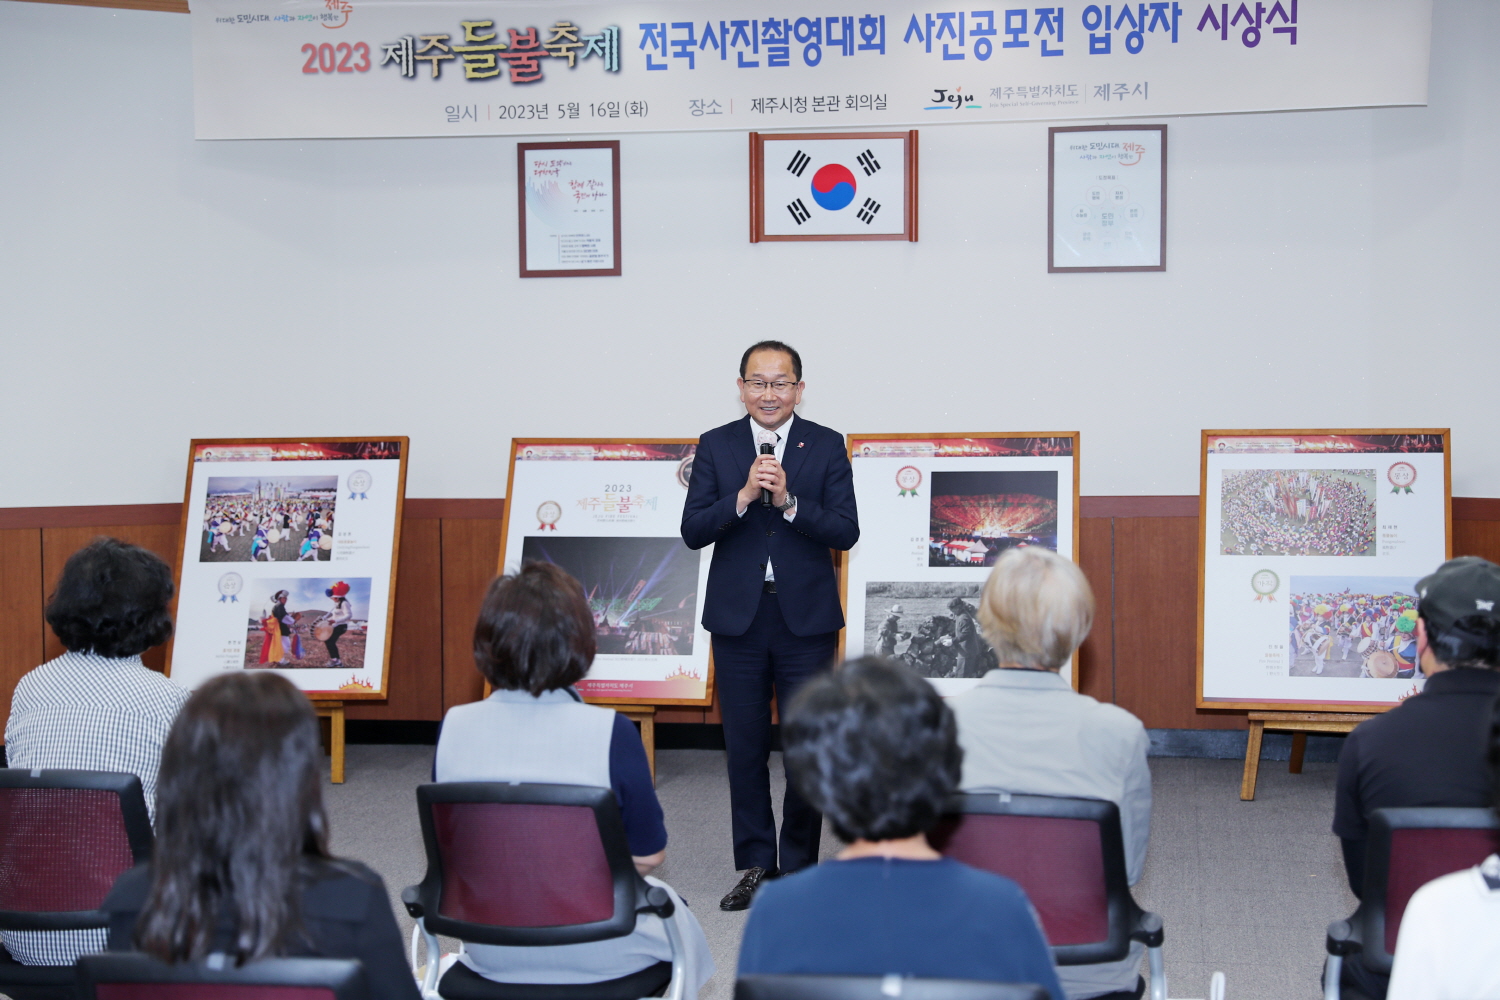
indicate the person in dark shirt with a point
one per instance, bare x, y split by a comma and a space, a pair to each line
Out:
1430, 749
241, 864
874, 748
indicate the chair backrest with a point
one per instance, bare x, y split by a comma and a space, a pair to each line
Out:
65, 836
125, 976
1067, 854
525, 864
1408, 848
879, 988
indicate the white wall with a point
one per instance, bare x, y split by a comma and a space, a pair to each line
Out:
1326, 269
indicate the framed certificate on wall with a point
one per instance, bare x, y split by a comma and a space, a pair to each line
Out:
569, 213
1312, 544
1107, 198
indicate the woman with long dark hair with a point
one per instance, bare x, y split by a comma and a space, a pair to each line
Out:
241, 864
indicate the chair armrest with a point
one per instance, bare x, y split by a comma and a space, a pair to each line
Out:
1148, 930
1344, 938
411, 899
653, 899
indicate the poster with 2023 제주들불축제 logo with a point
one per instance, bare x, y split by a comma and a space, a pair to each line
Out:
610, 513
288, 562
1313, 543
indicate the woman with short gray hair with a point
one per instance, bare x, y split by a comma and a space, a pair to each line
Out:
1025, 730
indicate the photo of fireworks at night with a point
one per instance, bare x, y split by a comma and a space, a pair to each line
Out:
643, 591
978, 515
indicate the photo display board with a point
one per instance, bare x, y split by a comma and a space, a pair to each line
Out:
1312, 544
610, 513
935, 512
288, 562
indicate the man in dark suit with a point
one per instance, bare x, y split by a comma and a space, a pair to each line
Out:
772, 604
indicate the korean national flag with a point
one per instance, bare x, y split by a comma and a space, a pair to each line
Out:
823, 187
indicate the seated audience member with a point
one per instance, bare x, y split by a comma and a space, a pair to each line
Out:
1025, 730
872, 746
96, 707
241, 864
1430, 749
1446, 947
533, 641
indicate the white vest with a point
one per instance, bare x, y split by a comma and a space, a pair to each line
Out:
511, 736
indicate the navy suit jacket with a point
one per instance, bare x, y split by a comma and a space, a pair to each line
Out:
819, 475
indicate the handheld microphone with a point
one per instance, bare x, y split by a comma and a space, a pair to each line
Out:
767, 447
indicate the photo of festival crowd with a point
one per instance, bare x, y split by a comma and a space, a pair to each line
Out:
307, 623
1353, 626
978, 515
929, 625
643, 591
1297, 512
264, 519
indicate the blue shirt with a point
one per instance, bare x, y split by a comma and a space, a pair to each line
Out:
882, 916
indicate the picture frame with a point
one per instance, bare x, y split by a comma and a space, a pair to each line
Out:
1259, 589
311, 517
568, 208
609, 511
915, 485
808, 186
1099, 217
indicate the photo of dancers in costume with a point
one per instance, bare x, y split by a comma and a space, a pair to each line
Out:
307, 623
260, 519
1353, 627
1297, 512
643, 592
929, 625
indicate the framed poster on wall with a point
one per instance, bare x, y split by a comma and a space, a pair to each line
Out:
610, 513
569, 212
833, 186
1107, 198
936, 511
288, 562
1312, 544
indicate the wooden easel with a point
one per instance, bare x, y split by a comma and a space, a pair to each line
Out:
646, 716
1299, 724
333, 711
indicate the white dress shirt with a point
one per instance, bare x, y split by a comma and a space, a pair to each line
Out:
781, 438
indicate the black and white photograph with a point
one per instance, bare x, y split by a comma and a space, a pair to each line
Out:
975, 516
932, 626
268, 519
643, 592
1297, 512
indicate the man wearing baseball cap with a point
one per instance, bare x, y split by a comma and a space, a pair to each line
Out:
1430, 749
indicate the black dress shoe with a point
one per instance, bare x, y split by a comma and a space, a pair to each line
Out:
739, 897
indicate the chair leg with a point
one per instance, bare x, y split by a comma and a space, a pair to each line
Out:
1158, 968
1332, 969
677, 988
429, 983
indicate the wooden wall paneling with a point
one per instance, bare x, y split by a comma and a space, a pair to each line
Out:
21, 599
1156, 624
60, 543
1096, 557
414, 688
1477, 538
471, 550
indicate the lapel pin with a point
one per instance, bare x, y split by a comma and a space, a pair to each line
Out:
801, 443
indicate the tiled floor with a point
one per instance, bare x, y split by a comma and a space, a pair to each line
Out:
1243, 887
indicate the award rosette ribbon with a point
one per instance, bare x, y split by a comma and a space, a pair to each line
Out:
547, 515
1401, 476
230, 584
908, 477
1265, 583
359, 484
